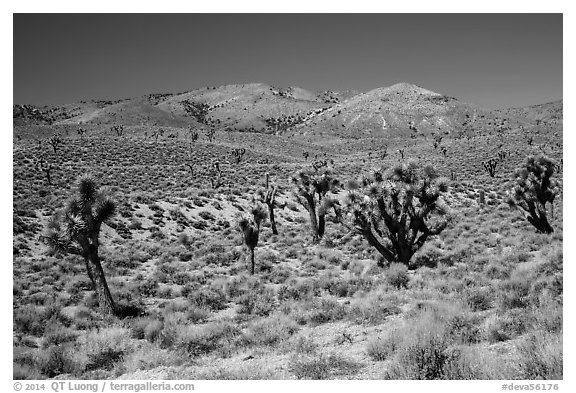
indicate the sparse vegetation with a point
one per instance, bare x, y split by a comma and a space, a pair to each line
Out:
474, 294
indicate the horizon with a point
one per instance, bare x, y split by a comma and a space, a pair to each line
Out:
490, 60
254, 83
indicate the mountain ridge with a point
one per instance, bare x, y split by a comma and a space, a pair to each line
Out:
402, 109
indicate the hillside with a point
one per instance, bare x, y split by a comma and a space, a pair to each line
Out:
252, 107
549, 113
405, 110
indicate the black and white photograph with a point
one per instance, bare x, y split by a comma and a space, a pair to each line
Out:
287, 196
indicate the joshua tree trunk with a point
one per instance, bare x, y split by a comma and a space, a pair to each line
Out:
321, 227
272, 220
404, 255
541, 224
252, 261
374, 242
96, 274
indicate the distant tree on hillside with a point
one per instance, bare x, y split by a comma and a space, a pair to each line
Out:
55, 141
397, 210
534, 188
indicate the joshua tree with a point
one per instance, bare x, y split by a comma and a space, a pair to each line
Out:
250, 227
216, 179
81, 132
398, 210
157, 133
118, 129
193, 134
268, 196
490, 166
311, 187
319, 164
306, 155
444, 150
384, 152
190, 165
210, 134
55, 141
238, 154
43, 166
402, 151
534, 188
75, 230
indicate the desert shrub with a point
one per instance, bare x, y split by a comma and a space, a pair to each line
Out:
58, 335
463, 327
77, 284
427, 256
29, 320
540, 356
381, 348
106, 347
56, 360
206, 215
247, 372
427, 349
147, 288
292, 253
479, 299
138, 326
220, 336
503, 327
153, 329
209, 298
271, 330
495, 270
149, 357
322, 366
549, 280
345, 287
226, 258
279, 275
514, 292
184, 239
298, 289
24, 372
260, 302
373, 309
548, 316
318, 311
424, 355
397, 275
304, 345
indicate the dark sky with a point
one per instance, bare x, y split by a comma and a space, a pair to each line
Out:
493, 60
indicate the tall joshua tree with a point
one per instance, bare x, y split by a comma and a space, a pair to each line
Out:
268, 197
534, 188
250, 227
75, 230
397, 210
311, 186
